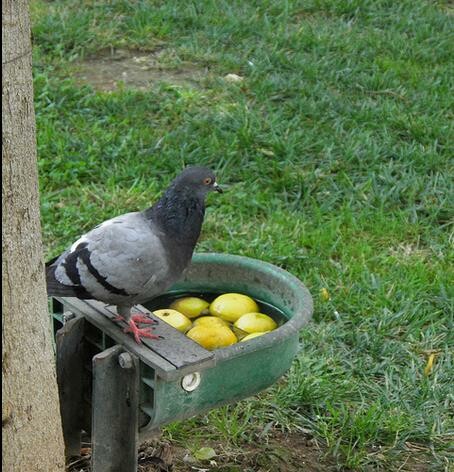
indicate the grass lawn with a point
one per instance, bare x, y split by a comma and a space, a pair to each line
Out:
336, 149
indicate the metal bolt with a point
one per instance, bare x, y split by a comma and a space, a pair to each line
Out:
191, 381
67, 316
125, 360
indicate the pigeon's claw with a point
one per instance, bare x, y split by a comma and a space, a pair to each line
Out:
144, 319
139, 333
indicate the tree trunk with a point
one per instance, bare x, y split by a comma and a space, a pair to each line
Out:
31, 425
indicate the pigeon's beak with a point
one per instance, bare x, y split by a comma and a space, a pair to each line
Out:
217, 188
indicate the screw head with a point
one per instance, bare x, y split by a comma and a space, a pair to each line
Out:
67, 316
191, 381
125, 360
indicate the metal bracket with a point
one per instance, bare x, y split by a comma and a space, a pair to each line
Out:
73, 382
115, 411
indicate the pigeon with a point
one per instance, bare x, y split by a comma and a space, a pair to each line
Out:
134, 257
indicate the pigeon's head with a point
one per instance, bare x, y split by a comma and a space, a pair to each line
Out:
197, 180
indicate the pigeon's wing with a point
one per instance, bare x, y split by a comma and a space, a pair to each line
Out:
119, 259
58, 289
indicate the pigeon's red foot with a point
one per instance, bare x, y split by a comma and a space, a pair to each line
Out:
141, 318
139, 332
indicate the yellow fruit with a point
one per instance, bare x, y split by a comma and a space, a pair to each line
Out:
191, 306
324, 294
230, 306
210, 321
253, 335
174, 318
255, 323
212, 337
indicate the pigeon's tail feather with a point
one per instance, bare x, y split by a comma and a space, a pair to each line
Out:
57, 289
49, 263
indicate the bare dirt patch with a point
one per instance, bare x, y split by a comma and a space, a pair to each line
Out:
278, 453
138, 70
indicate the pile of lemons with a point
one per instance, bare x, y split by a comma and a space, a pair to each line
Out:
229, 318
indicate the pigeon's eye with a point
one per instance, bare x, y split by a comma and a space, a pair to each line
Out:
207, 181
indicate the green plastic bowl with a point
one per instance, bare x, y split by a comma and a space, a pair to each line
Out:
242, 369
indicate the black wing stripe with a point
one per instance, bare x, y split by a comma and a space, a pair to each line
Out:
70, 266
83, 252
55, 288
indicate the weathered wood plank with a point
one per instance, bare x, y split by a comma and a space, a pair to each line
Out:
173, 346
172, 356
93, 315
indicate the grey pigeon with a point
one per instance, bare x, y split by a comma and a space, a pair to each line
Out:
133, 257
